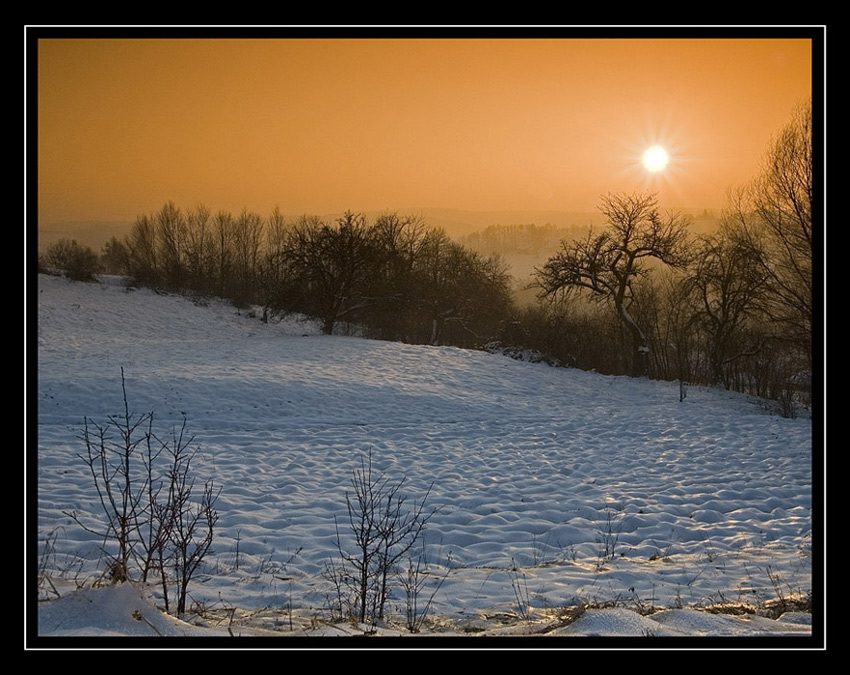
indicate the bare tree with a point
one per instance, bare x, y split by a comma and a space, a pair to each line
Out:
399, 243
609, 263
111, 465
188, 524
384, 530
247, 240
328, 267
463, 295
776, 212
223, 238
152, 521
114, 256
171, 232
276, 228
273, 264
199, 255
667, 305
729, 283
142, 252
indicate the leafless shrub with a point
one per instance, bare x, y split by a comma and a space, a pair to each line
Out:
383, 530
45, 562
519, 584
153, 521
609, 534
413, 581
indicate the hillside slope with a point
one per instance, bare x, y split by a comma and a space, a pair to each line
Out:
536, 471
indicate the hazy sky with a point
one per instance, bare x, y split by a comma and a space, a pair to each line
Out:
325, 125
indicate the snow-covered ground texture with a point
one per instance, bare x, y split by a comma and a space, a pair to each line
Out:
568, 502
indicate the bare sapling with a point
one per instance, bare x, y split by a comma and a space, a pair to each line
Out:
112, 465
383, 530
155, 518
185, 526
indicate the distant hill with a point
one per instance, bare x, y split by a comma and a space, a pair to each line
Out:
460, 223
93, 234
456, 222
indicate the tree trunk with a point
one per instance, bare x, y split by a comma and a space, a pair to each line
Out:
640, 359
640, 367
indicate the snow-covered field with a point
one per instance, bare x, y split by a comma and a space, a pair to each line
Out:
536, 472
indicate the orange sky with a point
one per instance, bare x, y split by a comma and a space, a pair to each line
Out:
321, 126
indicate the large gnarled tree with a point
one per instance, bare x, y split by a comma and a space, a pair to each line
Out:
607, 264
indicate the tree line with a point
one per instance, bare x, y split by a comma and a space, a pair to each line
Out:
395, 278
640, 296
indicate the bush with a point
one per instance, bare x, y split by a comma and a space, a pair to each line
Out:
383, 530
79, 263
154, 522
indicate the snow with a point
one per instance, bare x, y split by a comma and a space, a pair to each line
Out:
535, 471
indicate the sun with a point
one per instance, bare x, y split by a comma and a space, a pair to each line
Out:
655, 159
